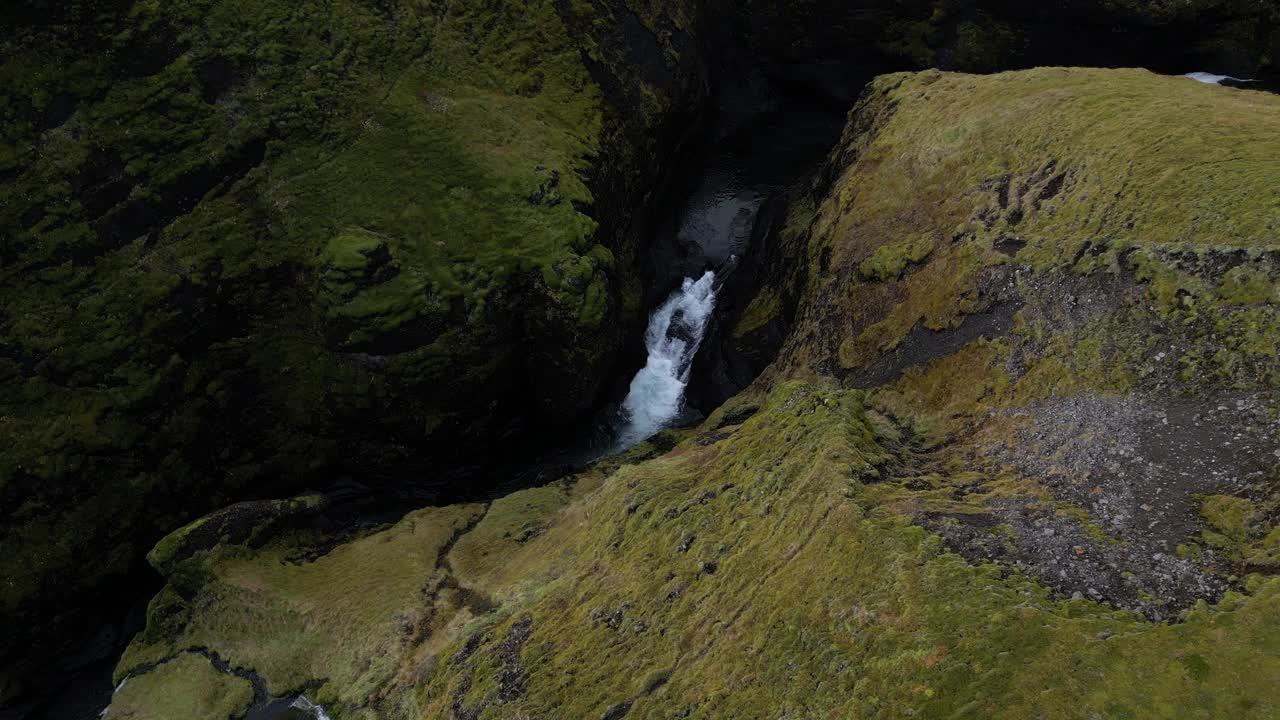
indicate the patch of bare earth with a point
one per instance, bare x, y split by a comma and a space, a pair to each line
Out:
1139, 467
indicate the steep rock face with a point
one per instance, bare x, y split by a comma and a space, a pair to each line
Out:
251, 245
1027, 470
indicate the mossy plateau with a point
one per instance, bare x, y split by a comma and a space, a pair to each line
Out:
1079, 346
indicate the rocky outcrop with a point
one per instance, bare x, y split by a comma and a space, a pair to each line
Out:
249, 523
1015, 459
829, 50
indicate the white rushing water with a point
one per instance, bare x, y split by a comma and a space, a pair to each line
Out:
1211, 79
675, 331
305, 705
119, 687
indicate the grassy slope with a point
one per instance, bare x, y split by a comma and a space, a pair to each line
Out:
1119, 233
1114, 171
755, 575
1104, 130
819, 603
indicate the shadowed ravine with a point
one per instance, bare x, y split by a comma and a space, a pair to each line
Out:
533, 358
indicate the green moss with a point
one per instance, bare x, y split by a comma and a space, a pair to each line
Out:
888, 261
938, 295
704, 579
1244, 533
257, 221
1247, 286
1042, 164
482, 555
763, 308
167, 552
1230, 316
1229, 515
595, 304
250, 523
367, 294
896, 625
338, 619
602, 258
188, 686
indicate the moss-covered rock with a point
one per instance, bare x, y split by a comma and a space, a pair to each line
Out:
1108, 178
888, 261
342, 617
1082, 350
249, 246
249, 523
186, 686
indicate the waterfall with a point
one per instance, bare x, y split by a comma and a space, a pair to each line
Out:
302, 703
119, 687
675, 331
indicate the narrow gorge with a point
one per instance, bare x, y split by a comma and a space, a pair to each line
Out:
603, 359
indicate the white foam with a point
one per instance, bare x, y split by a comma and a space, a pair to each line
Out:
675, 331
